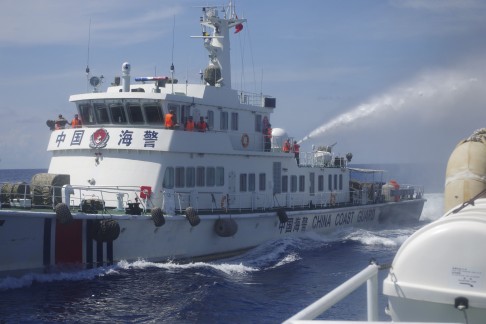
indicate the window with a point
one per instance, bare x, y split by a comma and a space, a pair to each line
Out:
312, 183
190, 177
220, 176
184, 113
210, 176
340, 182
251, 182
243, 184
135, 114
118, 114
223, 120
153, 114
87, 114
168, 178
234, 121
301, 183
179, 177
262, 178
320, 183
293, 183
175, 108
258, 123
329, 182
210, 119
335, 182
101, 113
285, 183
200, 177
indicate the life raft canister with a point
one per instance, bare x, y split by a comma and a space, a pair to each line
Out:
245, 140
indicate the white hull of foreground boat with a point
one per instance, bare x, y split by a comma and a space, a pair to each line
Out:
36, 240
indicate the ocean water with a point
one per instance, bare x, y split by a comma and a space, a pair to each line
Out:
265, 285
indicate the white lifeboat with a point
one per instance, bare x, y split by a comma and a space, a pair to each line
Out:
439, 273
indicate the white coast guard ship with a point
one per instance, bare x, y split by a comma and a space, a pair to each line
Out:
125, 187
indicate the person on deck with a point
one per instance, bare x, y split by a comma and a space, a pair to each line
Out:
202, 126
169, 120
286, 146
76, 122
189, 124
296, 152
61, 122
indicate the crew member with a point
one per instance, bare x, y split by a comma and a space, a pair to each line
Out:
296, 152
286, 146
61, 122
189, 126
76, 122
169, 120
202, 126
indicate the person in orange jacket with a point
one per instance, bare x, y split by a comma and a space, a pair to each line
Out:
286, 146
189, 124
169, 120
76, 122
202, 126
296, 152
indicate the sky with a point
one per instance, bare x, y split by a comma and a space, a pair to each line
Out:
390, 81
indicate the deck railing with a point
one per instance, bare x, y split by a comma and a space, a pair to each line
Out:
369, 275
119, 198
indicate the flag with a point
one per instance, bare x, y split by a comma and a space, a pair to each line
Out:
238, 28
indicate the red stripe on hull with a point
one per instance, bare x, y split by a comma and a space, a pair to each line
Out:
69, 242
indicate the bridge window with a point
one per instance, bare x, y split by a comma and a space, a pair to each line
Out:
118, 114
329, 182
135, 114
153, 114
335, 182
87, 114
101, 113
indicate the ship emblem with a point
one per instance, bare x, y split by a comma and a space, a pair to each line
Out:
99, 138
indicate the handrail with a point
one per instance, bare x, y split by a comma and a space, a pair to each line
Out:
369, 275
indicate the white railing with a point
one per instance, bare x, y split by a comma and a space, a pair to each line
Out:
368, 275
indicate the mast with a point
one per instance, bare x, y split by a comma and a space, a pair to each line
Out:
218, 72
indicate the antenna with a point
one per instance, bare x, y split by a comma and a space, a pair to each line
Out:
172, 64
87, 60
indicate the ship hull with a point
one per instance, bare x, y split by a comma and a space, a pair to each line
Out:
37, 241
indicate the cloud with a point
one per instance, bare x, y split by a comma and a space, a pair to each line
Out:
439, 5
34, 22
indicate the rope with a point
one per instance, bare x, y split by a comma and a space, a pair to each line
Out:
469, 202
